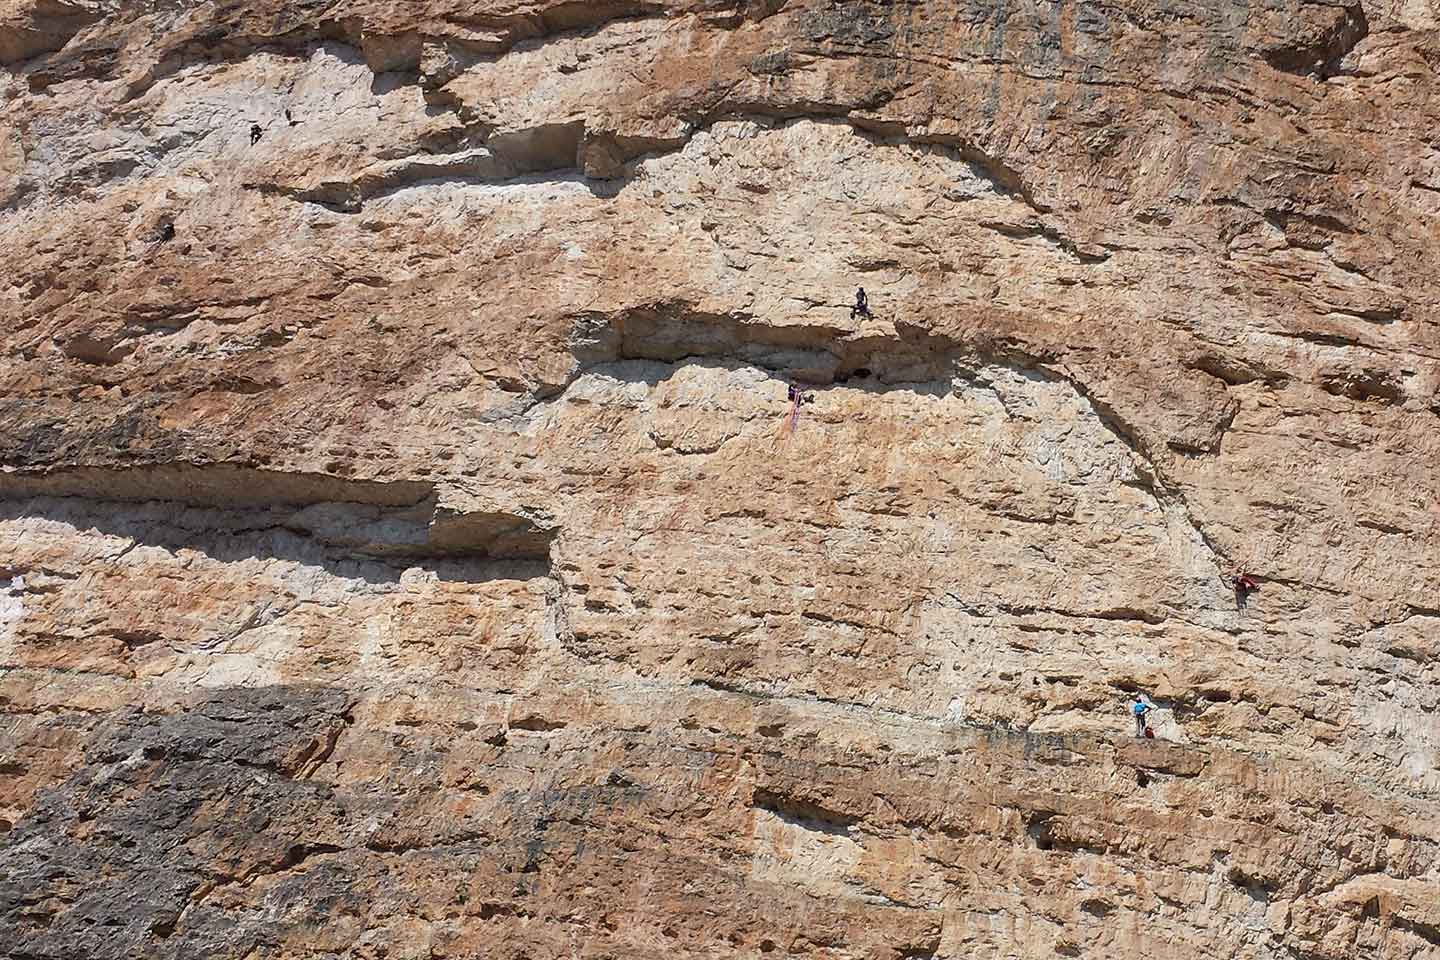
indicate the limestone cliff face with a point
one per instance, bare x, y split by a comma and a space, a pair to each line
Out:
405, 552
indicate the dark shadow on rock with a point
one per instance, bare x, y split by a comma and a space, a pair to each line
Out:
814, 353
166, 811
231, 536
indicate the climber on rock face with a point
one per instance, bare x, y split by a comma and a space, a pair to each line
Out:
255, 132
798, 397
166, 232
1244, 585
1139, 708
862, 306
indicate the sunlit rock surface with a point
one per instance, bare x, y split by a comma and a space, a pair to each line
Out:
407, 548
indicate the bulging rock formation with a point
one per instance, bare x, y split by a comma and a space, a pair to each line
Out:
407, 548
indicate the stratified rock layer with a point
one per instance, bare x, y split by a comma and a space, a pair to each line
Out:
407, 549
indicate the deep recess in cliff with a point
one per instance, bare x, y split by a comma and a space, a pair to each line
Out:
404, 551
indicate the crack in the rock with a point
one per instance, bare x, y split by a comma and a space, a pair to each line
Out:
294, 858
1126, 614
803, 812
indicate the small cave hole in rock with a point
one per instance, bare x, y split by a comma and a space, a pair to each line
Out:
537, 724
859, 373
1040, 831
1257, 889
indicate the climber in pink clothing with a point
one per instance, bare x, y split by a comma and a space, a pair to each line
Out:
798, 398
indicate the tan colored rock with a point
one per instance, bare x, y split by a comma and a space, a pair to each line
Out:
416, 554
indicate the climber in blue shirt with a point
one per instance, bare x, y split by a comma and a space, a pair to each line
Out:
1139, 708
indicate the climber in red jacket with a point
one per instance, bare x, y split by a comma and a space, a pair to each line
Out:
1244, 585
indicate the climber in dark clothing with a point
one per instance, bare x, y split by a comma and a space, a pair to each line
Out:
166, 233
255, 132
862, 306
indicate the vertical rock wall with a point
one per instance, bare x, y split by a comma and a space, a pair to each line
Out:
407, 548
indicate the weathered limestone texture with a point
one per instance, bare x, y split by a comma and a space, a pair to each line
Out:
407, 549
